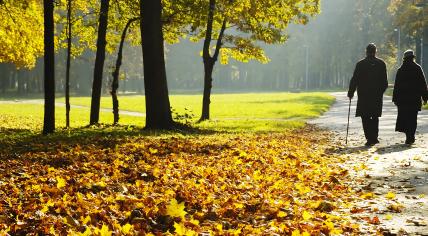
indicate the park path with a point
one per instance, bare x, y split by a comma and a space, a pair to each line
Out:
389, 167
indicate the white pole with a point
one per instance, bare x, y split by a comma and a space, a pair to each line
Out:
307, 67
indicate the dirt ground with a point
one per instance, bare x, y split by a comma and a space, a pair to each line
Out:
394, 173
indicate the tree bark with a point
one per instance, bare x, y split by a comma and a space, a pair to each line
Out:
116, 72
99, 63
209, 61
158, 110
49, 67
67, 72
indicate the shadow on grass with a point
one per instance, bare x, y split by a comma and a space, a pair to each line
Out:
14, 142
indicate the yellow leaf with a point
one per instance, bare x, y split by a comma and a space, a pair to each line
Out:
86, 220
87, 232
175, 209
281, 214
219, 227
390, 195
153, 150
388, 217
60, 182
195, 222
126, 229
46, 206
36, 188
329, 225
367, 196
306, 234
238, 205
105, 231
306, 215
180, 229
52, 230
295, 232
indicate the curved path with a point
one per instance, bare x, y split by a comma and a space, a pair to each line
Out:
389, 167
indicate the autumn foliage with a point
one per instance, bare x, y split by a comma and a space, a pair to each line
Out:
222, 184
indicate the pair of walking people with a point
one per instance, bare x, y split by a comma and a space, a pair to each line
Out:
370, 82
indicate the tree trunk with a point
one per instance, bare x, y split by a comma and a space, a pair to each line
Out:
67, 72
99, 63
49, 58
209, 61
116, 72
208, 81
158, 110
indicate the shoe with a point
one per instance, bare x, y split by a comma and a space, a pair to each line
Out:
369, 144
372, 142
410, 141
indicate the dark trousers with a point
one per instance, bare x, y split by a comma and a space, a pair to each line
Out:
371, 127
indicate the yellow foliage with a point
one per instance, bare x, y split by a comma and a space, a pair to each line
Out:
201, 184
175, 209
390, 195
60, 182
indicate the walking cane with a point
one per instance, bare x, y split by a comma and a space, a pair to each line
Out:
347, 127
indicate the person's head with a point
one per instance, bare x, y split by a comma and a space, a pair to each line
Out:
409, 55
371, 50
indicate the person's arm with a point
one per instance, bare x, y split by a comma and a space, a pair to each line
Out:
395, 92
354, 82
384, 78
423, 85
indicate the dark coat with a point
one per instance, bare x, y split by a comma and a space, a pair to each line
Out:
370, 81
410, 87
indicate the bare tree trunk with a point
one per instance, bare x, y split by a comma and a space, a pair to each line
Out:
49, 57
209, 61
99, 63
67, 72
158, 110
116, 72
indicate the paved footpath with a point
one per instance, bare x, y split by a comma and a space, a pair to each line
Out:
389, 167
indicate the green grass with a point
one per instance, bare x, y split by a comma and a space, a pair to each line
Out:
229, 112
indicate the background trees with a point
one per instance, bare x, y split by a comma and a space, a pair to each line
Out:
253, 32
247, 23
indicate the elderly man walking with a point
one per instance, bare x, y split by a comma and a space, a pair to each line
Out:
370, 81
410, 90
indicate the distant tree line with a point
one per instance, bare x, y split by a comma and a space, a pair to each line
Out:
193, 36
233, 25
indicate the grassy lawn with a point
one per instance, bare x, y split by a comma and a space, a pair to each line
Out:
229, 112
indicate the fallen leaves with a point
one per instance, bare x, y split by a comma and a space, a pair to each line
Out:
218, 184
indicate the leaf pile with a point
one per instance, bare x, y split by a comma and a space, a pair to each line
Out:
281, 183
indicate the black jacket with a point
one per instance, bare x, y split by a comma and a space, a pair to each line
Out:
410, 86
370, 81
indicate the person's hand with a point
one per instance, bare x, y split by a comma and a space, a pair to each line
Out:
350, 95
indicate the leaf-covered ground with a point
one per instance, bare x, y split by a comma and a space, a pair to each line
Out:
217, 184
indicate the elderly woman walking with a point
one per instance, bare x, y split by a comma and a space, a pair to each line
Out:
409, 90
